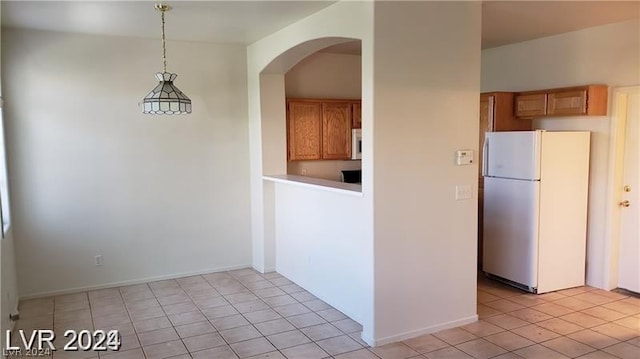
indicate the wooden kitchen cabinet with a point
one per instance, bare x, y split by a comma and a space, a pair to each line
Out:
578, 101
319, 129
304, 130
336, 131
497, 108
588, 100
531, 105
356, 119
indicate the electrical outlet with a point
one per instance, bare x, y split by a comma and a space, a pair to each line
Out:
463, 192
97, 260
303, 172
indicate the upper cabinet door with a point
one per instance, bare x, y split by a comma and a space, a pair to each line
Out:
304, 127
531, 105
588, 100
336, 131
357, 115
567, 103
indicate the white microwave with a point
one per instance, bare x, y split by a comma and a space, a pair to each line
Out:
356, 144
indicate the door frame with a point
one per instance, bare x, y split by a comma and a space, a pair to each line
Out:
620, 96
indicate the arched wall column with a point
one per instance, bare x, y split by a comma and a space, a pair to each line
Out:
268, 60
406, 266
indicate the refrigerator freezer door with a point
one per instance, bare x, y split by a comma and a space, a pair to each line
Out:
513, 155
510, 235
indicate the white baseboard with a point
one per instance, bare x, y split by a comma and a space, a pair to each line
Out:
264, 270
427, 330
131, 282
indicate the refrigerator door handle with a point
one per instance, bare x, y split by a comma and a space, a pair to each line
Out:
485, 156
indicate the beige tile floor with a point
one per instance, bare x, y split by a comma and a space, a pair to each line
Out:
245, 314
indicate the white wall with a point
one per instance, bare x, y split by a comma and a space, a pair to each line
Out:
607, 54
155, 195
273, 110
426, 82
325, 75
331, 76
319, 237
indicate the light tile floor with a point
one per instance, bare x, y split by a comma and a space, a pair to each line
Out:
245, 314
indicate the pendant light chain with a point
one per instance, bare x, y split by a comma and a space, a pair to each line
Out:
164, 46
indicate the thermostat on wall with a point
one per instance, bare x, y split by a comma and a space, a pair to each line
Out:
464, 157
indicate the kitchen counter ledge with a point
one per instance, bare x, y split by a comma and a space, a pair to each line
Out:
317, 183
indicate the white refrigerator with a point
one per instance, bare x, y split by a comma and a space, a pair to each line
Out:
535, 208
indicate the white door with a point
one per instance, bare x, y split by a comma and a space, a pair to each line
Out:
512, 155
629, 258
510, 231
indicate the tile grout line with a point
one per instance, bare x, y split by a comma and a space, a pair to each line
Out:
273, 309
625, 331
131, 319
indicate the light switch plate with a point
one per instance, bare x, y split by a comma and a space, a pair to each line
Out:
463, 192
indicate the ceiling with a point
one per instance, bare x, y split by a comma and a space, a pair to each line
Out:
507, 22
236, 22
244, 22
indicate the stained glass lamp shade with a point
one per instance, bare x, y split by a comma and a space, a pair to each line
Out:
166, 98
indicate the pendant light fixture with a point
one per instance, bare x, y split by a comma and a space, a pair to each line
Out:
166, 98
